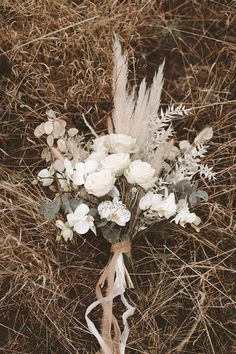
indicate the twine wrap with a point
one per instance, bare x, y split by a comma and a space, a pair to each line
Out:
116, 275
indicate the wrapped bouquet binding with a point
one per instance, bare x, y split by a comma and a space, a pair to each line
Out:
119, 184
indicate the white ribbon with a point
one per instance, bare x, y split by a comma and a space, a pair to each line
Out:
121, 274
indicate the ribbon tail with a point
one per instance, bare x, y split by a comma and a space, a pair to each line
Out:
92, 328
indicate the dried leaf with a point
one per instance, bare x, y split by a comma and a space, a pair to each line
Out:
72, 132
61, 144
50, 140
205, 135
48, 127
39, 130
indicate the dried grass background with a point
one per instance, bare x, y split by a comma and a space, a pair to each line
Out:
57, 54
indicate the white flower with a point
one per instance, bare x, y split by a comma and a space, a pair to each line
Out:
82, 169
98, 155
122, 143
66, 230
81, 220
184, 216
167, 207
114, 211
115, 143
150, 201
116, 162
100, 183
46, 176
141, 173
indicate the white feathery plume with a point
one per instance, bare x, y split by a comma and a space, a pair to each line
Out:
135, 116
123, 103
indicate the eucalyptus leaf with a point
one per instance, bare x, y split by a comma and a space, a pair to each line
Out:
65, 203
50, 209
196, 196
74, 203
110, 234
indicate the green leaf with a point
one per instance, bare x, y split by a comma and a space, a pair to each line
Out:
50, 209
74, 203
110, 234
65, 203
196, 196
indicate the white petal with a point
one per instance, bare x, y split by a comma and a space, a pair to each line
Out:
72, 219
146, 201
81, 227
67, 234
91, 166
80, 167
60, 224
78, 178
68, 167
81, 210
44, 173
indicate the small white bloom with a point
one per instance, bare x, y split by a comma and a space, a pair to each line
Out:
114, 211
82, 169
46, 176
81, 220
100, 183
141, 173
116, 162
66, 230
163, 206
150, 201
184, 216
167, 207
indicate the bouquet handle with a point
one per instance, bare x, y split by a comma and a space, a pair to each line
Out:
117, 279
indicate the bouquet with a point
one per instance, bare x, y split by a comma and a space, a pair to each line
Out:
119, 184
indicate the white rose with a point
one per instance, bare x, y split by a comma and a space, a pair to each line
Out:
141, 173
116, 162
100, 183
122, 143
115, 143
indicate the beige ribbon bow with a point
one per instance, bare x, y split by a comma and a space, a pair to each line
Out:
115, 275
